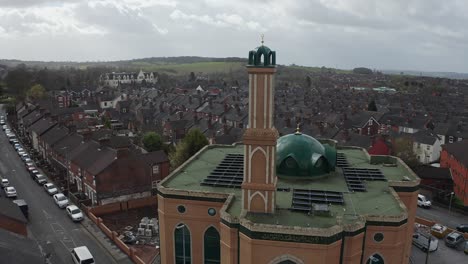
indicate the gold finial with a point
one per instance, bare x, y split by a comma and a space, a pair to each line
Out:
298, 131
262, 36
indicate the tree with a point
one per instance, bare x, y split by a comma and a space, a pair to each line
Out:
152, 141
362, 70
192, 77
37, 91
403, 148
308, 81
372, 106
191, 144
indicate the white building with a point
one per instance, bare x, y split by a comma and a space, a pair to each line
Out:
427, 146
115, 79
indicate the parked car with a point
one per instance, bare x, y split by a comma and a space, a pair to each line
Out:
423, 201
25, 156
34, 172
50, 188
61, 200
29, 163
10, 191
75, 213
454, 239
5, 183
439, 230
4, 127
40, 179
31, 168
421, 240
14, 141
81, 255
17, 146
463, 228
21, 152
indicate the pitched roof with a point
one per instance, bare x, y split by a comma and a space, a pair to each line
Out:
67, 143
42, 125
458, 150
425, 137
153, 157
55, 134
32, 118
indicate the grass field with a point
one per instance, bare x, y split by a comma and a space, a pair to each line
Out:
185, 68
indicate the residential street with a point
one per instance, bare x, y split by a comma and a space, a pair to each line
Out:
441, 215
47, 222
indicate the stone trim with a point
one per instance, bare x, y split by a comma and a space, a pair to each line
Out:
282, 258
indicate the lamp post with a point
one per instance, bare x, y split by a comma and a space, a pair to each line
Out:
182, 226
450, 203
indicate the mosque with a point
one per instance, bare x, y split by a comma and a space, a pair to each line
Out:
293, 199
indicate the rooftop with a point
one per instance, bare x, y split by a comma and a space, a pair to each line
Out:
378, 199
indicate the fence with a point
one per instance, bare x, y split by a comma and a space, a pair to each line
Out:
430, 223
94, 213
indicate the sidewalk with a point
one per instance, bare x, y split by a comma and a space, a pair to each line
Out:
117, 254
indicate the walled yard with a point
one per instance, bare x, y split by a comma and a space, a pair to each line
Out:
127, 224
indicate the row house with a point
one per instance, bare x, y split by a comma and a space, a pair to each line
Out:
364, 123
37, 129
453, 156
49, 138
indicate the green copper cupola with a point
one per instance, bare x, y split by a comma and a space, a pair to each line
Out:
262, 57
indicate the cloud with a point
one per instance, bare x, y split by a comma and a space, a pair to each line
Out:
420, 34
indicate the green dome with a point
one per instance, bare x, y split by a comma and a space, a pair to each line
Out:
262, 57
303, 156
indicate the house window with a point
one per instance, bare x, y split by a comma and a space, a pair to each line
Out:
428, 147
154, 184
155, 169
124, 110
370, 122
105, 103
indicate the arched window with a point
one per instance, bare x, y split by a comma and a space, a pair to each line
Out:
182, 245
375, 259
212, 248
287, 262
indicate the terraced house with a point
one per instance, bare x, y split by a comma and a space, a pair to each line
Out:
293, 199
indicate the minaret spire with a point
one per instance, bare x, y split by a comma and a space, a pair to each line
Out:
259, 184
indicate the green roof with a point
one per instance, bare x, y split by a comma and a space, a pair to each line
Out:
377, 200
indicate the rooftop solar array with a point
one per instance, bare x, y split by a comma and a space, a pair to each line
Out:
303, 199
228, 174
341, 160
355, 178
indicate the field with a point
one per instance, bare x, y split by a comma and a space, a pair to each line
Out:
185, 68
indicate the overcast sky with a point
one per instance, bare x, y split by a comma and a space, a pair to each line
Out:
428, 35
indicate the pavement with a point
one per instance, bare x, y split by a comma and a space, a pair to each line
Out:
49, 225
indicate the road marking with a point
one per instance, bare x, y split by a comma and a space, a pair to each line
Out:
66, 240
47, 215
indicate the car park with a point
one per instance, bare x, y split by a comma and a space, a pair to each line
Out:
10, 191
81, 255
463, 228
423, 201
60, 200
454, 239
74, 213
40, 179
5, 183
50, 188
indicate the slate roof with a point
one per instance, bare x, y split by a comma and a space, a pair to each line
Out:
42, 125
32, 118
11, 210
458, 150
154, 157
70, 142
18, 249
425, 137
360, 119
55, 134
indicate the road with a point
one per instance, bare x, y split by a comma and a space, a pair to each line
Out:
441, 215
47, 222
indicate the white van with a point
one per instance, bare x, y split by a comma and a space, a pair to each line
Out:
423, 201
81, 255
421, 240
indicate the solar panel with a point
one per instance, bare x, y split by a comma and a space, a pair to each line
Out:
341, 160
228, 174
304, 199
355, 177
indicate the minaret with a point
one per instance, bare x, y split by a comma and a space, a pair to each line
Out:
259, 184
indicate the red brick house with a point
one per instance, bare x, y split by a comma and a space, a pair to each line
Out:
454, 156
364, 123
